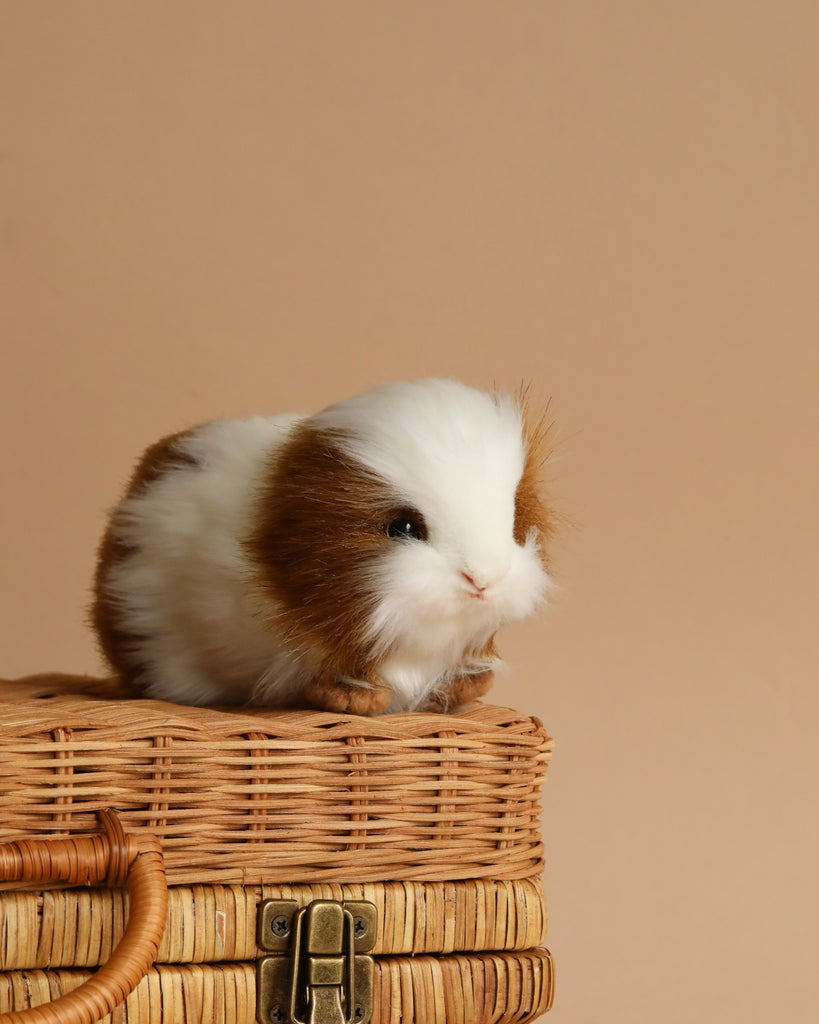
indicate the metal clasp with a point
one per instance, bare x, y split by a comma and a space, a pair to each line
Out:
318, 971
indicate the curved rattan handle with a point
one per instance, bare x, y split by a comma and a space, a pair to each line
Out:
114, 859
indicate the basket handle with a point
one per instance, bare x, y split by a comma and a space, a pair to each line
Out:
114, 859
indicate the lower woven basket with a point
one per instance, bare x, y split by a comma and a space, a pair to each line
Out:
431, 823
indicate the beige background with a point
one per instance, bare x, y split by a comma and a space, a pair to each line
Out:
216, 209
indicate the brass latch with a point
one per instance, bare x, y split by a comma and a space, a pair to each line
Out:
317, 971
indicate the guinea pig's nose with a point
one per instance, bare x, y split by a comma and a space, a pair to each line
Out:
479, 588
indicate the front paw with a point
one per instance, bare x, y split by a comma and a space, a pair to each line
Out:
461, 690
348, 698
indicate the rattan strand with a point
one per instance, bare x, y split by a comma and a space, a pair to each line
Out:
252, 797
479, 989
79, 928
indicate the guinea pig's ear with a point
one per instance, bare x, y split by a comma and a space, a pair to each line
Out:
532, 513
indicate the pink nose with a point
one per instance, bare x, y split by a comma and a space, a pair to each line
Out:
469, 579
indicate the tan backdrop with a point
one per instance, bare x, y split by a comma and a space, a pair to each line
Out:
215, 209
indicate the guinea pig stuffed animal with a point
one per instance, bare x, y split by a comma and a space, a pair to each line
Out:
358, 560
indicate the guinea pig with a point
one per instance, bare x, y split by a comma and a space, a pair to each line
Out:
358, 560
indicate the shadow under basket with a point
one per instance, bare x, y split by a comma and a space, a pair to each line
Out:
162, 864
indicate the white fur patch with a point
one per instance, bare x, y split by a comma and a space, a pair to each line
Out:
188, 588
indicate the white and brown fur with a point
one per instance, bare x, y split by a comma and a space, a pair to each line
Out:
249, 560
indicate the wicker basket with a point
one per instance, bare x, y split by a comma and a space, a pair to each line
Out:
434, 819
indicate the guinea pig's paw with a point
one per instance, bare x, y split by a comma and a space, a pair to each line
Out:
459, 691
348, 697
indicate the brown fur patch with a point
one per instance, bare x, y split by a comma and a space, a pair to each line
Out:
114, 642
323, 525
531, 509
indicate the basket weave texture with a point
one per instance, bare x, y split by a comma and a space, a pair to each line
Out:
252, 797
499, 988
214, 923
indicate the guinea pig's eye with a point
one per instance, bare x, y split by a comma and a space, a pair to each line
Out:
407, 525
